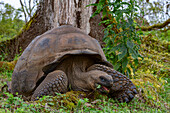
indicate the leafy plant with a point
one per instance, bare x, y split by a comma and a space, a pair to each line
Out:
121, 38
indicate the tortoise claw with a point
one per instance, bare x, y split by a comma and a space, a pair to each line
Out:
126, 99
134, 91
131, 96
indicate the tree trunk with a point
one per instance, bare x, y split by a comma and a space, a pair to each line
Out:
54, 13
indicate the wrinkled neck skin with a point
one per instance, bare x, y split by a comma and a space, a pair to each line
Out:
75, 69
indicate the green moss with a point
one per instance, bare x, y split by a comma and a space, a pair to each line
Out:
156, 55
68, 100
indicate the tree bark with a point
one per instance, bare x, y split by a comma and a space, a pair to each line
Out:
54, 13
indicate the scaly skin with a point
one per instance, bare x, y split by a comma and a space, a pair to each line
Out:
55, 82
123, 89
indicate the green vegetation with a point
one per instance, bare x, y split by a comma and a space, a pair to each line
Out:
150, 73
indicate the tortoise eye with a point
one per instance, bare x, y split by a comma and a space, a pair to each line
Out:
102, 79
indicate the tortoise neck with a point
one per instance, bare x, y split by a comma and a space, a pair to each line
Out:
75, 68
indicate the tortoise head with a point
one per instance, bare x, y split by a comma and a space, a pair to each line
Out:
100, 80
95, 80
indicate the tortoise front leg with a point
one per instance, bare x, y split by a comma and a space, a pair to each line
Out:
55, 81
123, 89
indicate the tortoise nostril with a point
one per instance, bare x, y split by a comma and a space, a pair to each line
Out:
111, 82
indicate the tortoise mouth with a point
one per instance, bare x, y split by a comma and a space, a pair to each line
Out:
101, 88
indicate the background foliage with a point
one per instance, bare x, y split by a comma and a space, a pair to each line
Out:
155, 11
10, 21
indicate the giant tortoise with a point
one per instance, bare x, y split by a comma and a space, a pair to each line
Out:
65, 58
